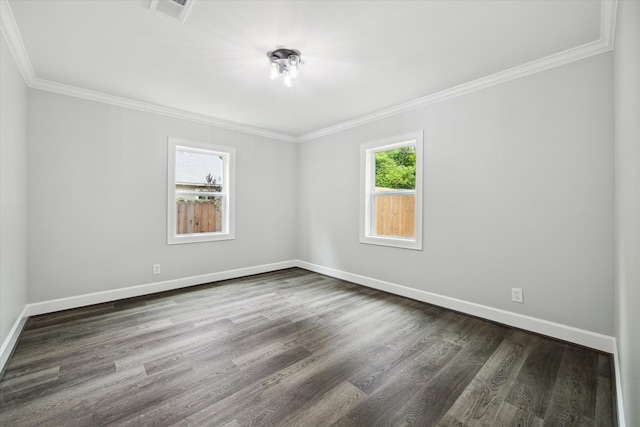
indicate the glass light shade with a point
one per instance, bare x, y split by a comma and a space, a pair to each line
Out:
288, 81
294, 66
274, 70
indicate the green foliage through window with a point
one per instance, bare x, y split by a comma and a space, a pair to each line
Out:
396, 169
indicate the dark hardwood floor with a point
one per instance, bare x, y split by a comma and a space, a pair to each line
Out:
295, 348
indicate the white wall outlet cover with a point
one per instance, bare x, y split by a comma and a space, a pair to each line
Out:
517, 295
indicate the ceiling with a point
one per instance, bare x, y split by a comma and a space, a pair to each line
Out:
358, 57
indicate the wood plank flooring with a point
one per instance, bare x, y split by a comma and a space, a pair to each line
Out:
295, 348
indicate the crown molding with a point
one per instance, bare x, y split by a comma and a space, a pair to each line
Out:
155, 109
608, 13
11, 33
604, 44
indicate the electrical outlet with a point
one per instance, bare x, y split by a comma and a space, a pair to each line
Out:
516, 295
156, 268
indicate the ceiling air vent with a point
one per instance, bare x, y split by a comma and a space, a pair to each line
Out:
178, 9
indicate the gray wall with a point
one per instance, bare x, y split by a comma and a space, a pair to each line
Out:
13, 192
518, 192
627, 155
97, 199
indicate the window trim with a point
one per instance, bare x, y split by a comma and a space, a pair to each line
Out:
367, 189
228, 155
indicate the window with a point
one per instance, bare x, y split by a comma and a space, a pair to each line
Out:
391, 192
200, 199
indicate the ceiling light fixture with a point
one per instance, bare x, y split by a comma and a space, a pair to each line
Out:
285, 62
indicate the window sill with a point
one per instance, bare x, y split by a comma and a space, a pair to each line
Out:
199, 238
392, 242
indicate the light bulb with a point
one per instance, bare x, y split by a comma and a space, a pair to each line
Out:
288, 81
274, 69
294, 66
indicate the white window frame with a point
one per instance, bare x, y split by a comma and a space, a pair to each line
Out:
367, 190
228, 155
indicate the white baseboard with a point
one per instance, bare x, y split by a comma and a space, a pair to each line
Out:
567, 333
581, 337
116, 294
11, 340
150, 288
618, 385
556, 330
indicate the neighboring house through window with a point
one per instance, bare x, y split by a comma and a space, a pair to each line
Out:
200, 192
391, 191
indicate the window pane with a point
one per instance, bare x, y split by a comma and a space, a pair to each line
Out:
196, 170
396, 169
394, 215
198, 214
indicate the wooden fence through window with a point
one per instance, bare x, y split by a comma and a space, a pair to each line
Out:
197, 217
395, 215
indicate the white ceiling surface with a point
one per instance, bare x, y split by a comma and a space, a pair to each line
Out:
358, 57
